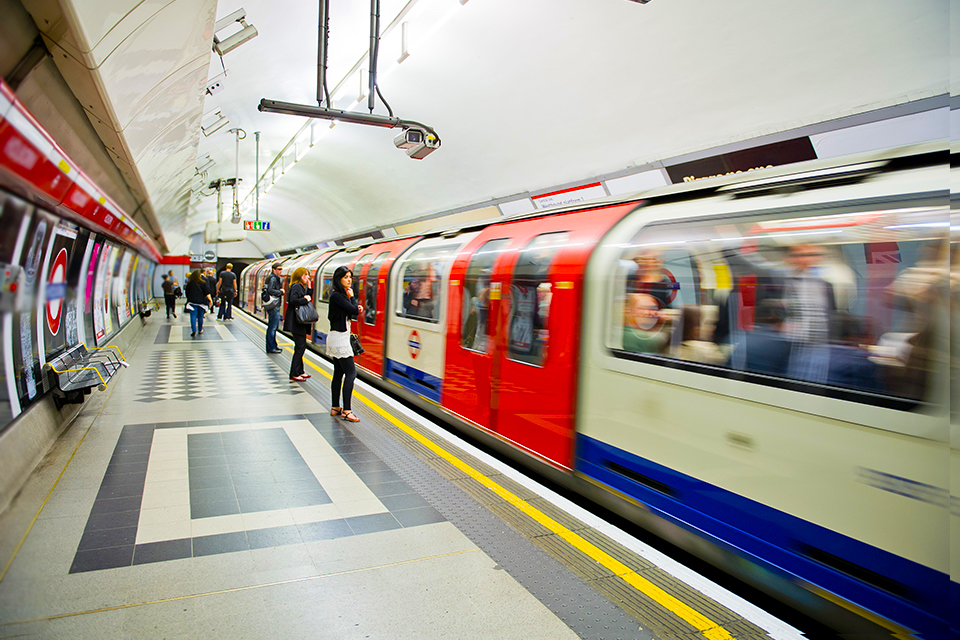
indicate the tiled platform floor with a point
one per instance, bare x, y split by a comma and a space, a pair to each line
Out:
231, 505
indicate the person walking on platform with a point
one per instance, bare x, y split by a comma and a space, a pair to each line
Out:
210, 277
273, 287
169, 299
343, 305
197, 300
226, 290
299, 296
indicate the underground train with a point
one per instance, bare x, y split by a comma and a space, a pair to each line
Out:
74, 267
757, 368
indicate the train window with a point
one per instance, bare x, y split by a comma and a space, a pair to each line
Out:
421, 275
530, 297
325, 281
358, 284
370, 290
842, 304
476, 296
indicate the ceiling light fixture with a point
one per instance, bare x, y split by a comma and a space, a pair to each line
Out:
247, 32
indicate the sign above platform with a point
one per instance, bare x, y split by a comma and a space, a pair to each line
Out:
256, 225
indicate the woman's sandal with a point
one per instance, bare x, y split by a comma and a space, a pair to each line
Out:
336, 411
349, 416
297, 379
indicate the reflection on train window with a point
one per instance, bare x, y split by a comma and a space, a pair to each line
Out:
847, 300
530, 297
421, 275
476, 296
358, 283
325, 281
370, 291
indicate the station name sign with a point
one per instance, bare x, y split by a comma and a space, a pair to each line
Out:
256, 225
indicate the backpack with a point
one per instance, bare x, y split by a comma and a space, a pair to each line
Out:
269, 302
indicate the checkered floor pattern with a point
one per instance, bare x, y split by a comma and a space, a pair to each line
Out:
201, 373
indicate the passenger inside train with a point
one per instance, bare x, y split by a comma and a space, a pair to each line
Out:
855, 309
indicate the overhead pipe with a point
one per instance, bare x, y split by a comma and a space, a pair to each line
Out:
322, 93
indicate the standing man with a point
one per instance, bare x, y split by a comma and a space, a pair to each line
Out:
226, 290
168, 297
210, 277
274, 288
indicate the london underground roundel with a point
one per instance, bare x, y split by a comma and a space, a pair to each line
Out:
413, 344
55, 289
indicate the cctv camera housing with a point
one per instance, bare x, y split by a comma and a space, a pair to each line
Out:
420, 151
409, 138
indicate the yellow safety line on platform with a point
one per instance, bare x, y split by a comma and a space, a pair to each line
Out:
704, 625
237, 589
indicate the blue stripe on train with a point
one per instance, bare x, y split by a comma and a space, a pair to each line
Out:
911, 594
320, 339
414, 380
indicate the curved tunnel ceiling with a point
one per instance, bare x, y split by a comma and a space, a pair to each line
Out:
525, 96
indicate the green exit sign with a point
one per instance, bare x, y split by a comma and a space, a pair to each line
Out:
256, 225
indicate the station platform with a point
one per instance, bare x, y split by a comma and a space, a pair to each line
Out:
203, 495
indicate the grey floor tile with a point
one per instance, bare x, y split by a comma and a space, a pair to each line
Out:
417, 517
327, 530
97, 559
404, 501
162, 551
276, 537
373, 523
221, 543
214, 509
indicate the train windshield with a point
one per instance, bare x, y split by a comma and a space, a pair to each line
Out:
848, 300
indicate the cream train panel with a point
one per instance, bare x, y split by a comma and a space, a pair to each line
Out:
417, 314
875, 474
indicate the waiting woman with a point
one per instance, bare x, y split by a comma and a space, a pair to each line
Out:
197, 300
343, 306
299, 296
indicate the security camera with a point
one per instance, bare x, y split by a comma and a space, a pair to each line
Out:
417, 142
421, 151
409, 138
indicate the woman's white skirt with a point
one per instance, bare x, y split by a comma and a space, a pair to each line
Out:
338, 344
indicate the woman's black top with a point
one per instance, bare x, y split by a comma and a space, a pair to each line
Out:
196, 293
297, 299
341, 308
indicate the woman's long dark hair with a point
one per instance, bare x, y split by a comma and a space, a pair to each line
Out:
338, 276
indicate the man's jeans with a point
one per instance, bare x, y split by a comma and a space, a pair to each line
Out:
273, 322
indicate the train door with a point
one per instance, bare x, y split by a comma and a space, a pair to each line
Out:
359, 269
372, 292
470, 347
535, 331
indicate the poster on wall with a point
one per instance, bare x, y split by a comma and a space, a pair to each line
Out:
133, 281
122, 289
14, 220
89, 315
101, 315
26, 341
57, 294
113, 288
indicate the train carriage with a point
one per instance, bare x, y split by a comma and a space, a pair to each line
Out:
823, 463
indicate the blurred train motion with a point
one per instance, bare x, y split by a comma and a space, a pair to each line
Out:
757, 368
75, 268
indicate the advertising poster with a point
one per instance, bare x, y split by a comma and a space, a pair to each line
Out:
26, 341
122, 285
88, 306
101, 315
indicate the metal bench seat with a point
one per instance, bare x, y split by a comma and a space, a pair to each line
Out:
78, 370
